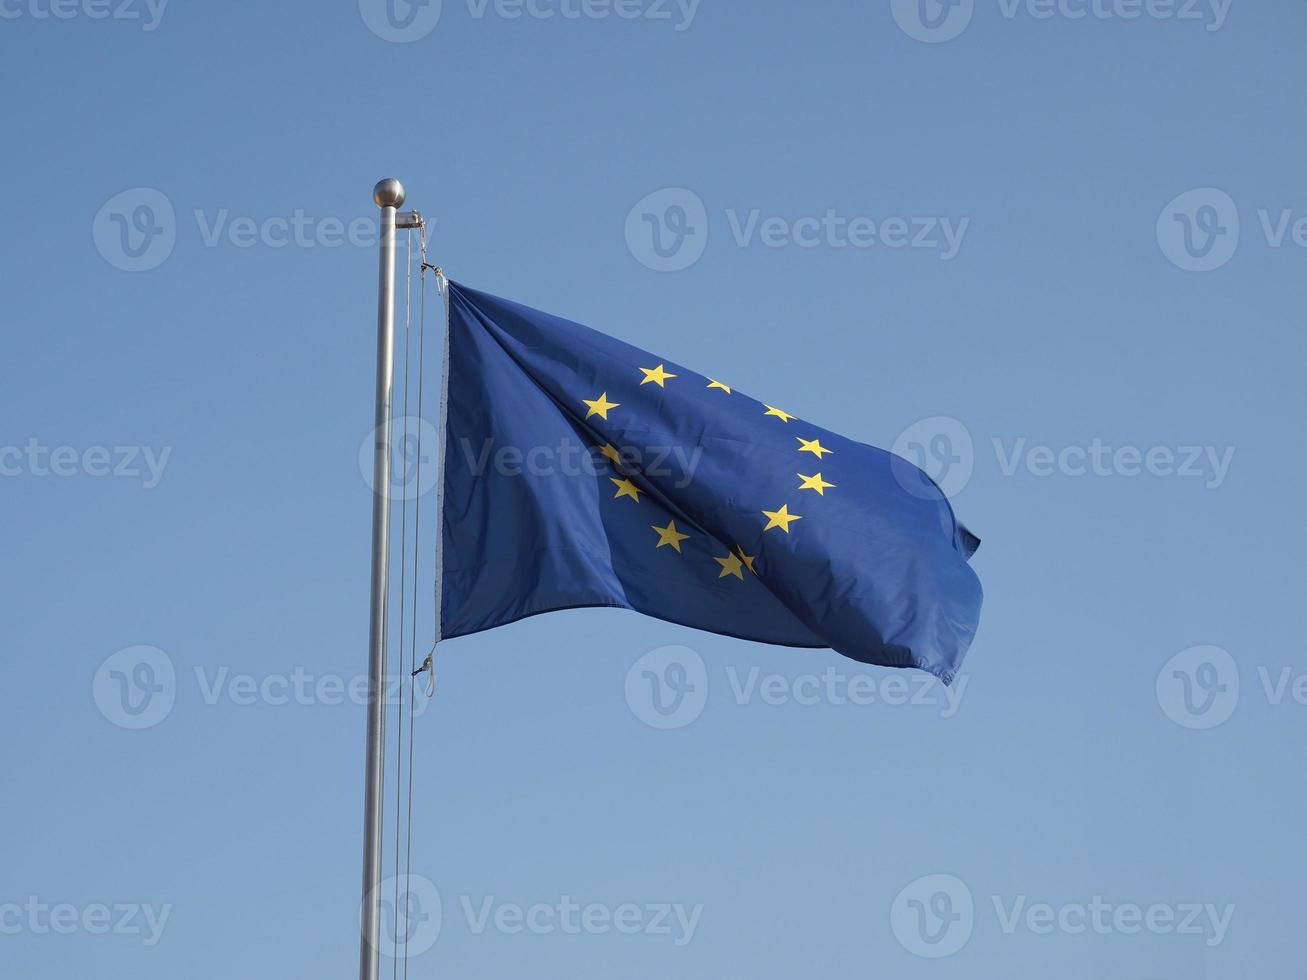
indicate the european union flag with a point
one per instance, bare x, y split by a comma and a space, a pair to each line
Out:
581, 471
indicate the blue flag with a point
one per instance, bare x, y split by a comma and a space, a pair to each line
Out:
581, 471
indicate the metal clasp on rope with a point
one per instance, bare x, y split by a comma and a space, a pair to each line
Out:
429, 666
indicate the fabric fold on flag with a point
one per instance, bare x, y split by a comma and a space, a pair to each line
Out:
579, 471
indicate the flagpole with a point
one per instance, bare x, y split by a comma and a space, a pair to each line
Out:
389, 196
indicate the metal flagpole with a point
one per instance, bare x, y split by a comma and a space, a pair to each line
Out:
389, 196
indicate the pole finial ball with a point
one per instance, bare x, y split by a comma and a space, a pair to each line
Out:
388, 193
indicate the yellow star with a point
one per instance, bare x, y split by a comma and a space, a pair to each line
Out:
611, 453
813, 446
780, 518
730, 566
656, 375
718, 384
625, 488
747, 559
600, 406
669, 535
783, 416
814, 482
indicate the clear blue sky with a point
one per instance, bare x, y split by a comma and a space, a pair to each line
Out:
1087, 325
